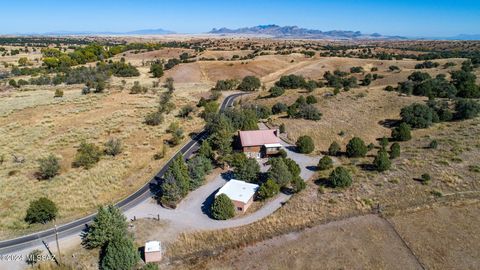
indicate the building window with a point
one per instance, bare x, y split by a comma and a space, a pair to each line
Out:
239, 208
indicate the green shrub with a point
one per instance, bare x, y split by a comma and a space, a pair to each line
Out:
222, 208
311, 99
113, 147
281, 128
402, 133
340, 177
425, 178
150, 266
356, 148
276, 91
154, 118
87, 155
292, 166
246, 169
298, 184
395, 150
381, 161
433, 144
42, 211
418, 115
334, 149
279, 108
282, 153
279, 172
34, 257
325, 163
467, 109
269, 189
384, 142
48, 167
249, 83
305, 144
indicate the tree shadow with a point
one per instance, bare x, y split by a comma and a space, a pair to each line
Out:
312, 168
324, 182
287, 191
207, 204
141, 251
228, 175
367, 167
292, 148
389, 123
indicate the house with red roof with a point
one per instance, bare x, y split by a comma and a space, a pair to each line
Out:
260, 143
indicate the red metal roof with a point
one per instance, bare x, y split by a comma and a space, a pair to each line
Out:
258, 137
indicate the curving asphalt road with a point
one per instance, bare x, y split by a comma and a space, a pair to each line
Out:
77, 226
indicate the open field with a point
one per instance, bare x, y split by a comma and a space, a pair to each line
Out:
34, 124
443, 237
450, 167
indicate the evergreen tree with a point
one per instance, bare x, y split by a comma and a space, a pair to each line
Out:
108, 223
279, 172
356, 148
305, 144
223, 208
120, 254
206, 150
394, 150
402, 133
325, 163
297, 184
381, 161
42, 210
269, 189
340, 177
334, 149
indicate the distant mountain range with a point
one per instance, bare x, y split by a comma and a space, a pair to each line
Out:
158, 31
269, 30
273, 30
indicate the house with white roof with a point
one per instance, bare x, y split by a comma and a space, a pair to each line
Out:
153, 251
240, 192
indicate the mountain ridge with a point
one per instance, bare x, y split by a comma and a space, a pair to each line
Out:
299, 32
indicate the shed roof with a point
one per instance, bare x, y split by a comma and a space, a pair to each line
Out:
152, 246
238, 190
258, 137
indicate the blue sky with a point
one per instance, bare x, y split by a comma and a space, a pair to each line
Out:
408, 18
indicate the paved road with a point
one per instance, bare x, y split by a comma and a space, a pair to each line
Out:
143, 194
189, 214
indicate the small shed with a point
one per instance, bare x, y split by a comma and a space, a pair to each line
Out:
153, 251
240, 192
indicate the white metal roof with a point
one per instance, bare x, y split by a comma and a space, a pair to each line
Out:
152, 246
271, 145
238, 190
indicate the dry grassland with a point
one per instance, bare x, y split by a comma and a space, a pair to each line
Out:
34, 124
395, 189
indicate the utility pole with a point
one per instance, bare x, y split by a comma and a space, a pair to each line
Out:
58, 245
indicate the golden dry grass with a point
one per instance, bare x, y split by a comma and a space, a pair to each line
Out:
395, 190
34, 124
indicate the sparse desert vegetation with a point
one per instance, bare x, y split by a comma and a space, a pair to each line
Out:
88, 123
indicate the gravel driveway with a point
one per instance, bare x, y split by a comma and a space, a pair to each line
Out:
191, 212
